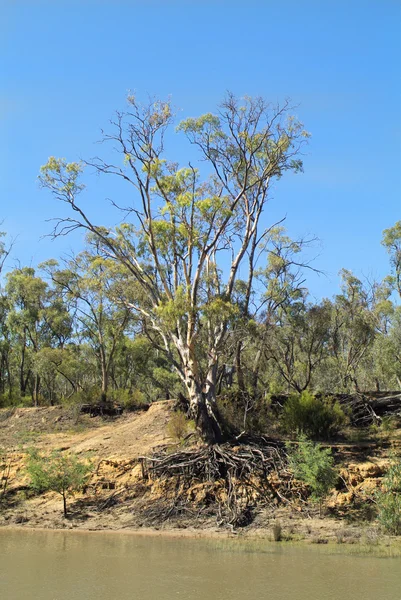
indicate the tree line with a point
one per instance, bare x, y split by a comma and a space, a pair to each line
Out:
195, 292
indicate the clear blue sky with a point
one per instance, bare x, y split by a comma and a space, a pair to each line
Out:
66, 66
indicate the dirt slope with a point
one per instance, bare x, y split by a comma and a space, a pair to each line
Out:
111, 445
128, 436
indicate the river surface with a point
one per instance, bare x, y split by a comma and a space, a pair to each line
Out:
87, 566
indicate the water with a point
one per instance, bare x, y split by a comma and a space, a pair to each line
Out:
88, 566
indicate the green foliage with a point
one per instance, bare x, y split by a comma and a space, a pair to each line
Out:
313, 465
61, 473
389, 423
241, 412
90, 396
129, 399
20, 401
392, 242
314, 417
389, 499
179, 426
5, 470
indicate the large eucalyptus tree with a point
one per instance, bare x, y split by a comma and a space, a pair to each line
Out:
187, 234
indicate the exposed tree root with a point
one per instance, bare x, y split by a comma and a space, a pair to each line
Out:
226, 480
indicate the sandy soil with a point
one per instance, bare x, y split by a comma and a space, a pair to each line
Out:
130, 435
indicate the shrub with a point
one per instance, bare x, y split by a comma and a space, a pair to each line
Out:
89, 396
129, 400
313, 465
5, 469
277, 532
22, 401
58, 472
314, 417
179, 426
389, 423
241, 412
389, 500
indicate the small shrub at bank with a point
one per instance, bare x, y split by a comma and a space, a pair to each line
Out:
389, 423
313, 465
314, 417
277, 532
389, 500
61, 473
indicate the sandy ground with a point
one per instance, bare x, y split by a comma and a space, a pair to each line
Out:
130, 435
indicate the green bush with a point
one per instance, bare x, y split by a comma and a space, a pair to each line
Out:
314, 417
389, 423
16, 401
277, 532
241, 412
179, 426
89, 396
129, 400
61, 473
389, 500
313, 465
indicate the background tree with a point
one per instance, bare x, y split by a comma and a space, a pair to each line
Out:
353, 329
36, 319
5, 249
86, 284
392, 242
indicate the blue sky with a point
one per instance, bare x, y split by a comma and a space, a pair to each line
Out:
67, 66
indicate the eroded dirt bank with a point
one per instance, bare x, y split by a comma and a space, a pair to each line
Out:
118, 498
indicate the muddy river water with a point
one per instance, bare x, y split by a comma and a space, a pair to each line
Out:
42, 565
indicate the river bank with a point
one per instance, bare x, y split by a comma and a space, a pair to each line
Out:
117, 499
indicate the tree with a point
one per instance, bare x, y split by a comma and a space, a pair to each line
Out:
392, 242
86, 282
61, 473
298, 343
262, 300
5, 348
353, 328
5, 250
36, 318
182, 226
